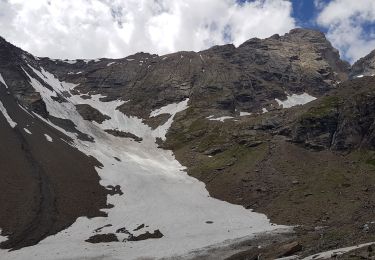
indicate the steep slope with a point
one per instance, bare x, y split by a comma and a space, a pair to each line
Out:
46, 184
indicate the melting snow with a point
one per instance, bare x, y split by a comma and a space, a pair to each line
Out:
3, 81
6, 115
158, 192
295, 100
27, 131
49, 138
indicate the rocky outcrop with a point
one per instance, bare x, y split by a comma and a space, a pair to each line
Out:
91, 114
364, 66
343, 121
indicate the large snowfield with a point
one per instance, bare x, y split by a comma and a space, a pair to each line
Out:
157, 191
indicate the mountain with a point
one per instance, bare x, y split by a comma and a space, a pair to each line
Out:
166, 156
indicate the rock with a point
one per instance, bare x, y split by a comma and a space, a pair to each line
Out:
102, 238
147, 235
124, 134
91, 114
289, 249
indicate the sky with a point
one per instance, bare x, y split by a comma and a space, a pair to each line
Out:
70, 29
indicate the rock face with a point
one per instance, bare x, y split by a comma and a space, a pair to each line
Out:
223, 78
364, 66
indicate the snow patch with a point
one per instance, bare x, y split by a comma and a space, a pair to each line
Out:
221, 119
70, 61
49, 138
27, 131
111, 63
6, 115
359, 76
3, 81
245, 114
295, 100
264, 110
170, 109
2, 238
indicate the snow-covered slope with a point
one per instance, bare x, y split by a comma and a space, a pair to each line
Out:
154, 195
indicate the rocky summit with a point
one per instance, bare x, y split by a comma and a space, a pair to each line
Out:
261, 151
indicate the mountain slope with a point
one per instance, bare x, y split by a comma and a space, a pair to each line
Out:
93, 139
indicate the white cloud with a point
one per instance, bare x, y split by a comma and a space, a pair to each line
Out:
348, 23
116, 28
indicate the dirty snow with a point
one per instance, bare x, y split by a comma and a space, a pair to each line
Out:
3, 81
336, 252
6, 115
157, 192
49, 138
295, 100
27, 131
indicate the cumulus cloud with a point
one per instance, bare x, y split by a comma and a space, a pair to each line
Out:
350, 26
117, 28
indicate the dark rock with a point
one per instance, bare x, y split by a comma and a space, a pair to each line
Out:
124, 134
147, 235
102, 238
91, 114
